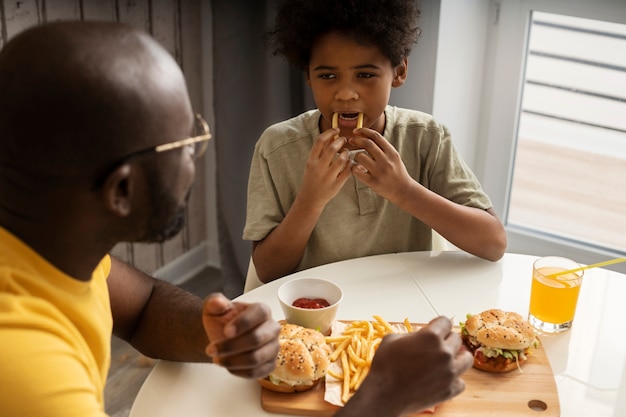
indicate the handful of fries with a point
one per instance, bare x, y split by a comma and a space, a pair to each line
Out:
355, 349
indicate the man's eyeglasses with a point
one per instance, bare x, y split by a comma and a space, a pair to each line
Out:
199, 142
198, 145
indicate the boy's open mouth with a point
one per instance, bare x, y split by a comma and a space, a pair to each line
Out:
347, 120
349, 116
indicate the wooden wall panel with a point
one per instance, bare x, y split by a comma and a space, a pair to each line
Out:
61, 10
164, 26
176, 25
135, 12
165, 29
191, 62
98, 10
19, 15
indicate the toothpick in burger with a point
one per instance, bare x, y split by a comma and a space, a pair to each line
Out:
302, 360
499, 340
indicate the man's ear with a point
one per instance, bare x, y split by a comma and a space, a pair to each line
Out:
117, 190
401, 72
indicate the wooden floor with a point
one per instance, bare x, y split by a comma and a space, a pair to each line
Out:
578, 194
129, 368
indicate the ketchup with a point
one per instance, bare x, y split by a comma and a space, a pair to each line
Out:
304, 302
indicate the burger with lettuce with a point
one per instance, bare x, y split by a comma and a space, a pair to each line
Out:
500, 341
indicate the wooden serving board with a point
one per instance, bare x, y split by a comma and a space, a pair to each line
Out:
529, 393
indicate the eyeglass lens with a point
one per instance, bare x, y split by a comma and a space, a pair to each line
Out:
200, 128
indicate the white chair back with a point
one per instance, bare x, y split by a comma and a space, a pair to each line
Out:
252, 279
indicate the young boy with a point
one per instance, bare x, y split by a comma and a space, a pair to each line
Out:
321, 193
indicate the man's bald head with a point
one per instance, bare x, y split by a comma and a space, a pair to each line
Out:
76, 96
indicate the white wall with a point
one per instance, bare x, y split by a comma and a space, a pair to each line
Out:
418, 90
446, 66
212, 254
460, 61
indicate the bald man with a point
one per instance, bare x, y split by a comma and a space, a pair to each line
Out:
82, 107
97, 146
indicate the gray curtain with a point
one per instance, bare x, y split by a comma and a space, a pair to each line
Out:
252, 91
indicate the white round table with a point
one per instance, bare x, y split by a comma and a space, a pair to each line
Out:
589, 361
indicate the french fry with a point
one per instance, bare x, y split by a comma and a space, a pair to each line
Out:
359, 121
346, 377
370, 331
408, 326
355, 377
361, 378
372, 349
335, 122
385, 324
355, 350
340, 348
334, 375
356, 358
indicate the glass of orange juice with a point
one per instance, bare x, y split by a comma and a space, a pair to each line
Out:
553, 299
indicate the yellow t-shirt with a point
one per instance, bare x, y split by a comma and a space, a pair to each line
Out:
55, 334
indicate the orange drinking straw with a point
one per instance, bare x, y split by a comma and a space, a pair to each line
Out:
582, 268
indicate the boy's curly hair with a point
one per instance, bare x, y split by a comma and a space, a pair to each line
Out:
391, 25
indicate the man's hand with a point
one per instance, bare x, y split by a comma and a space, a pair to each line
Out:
243, 338
413, 372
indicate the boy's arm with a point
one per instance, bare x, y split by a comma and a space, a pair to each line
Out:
473, 230
326, 171
279, 253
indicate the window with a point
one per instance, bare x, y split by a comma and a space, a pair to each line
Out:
569, 177
554, 126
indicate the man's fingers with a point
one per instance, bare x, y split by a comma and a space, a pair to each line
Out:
464, 360
453, 342
442, 326
216, 304
457, 387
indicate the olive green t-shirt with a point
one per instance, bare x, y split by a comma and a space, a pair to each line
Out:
357, 221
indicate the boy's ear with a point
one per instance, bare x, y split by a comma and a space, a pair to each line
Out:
117, 190
401, 72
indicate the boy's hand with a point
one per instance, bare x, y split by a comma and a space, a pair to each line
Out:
326, 168
381, 168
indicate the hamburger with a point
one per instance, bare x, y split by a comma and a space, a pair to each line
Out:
499, 340
302, 361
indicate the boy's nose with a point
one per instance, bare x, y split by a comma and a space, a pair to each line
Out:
346, 92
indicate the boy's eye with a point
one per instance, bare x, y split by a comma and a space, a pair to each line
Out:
366, 75
326, 76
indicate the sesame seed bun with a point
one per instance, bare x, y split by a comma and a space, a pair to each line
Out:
497, 329
500, 329
302, 360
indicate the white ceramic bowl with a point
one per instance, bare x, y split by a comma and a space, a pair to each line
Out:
313, 318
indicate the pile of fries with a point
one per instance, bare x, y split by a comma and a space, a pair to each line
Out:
355, 349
